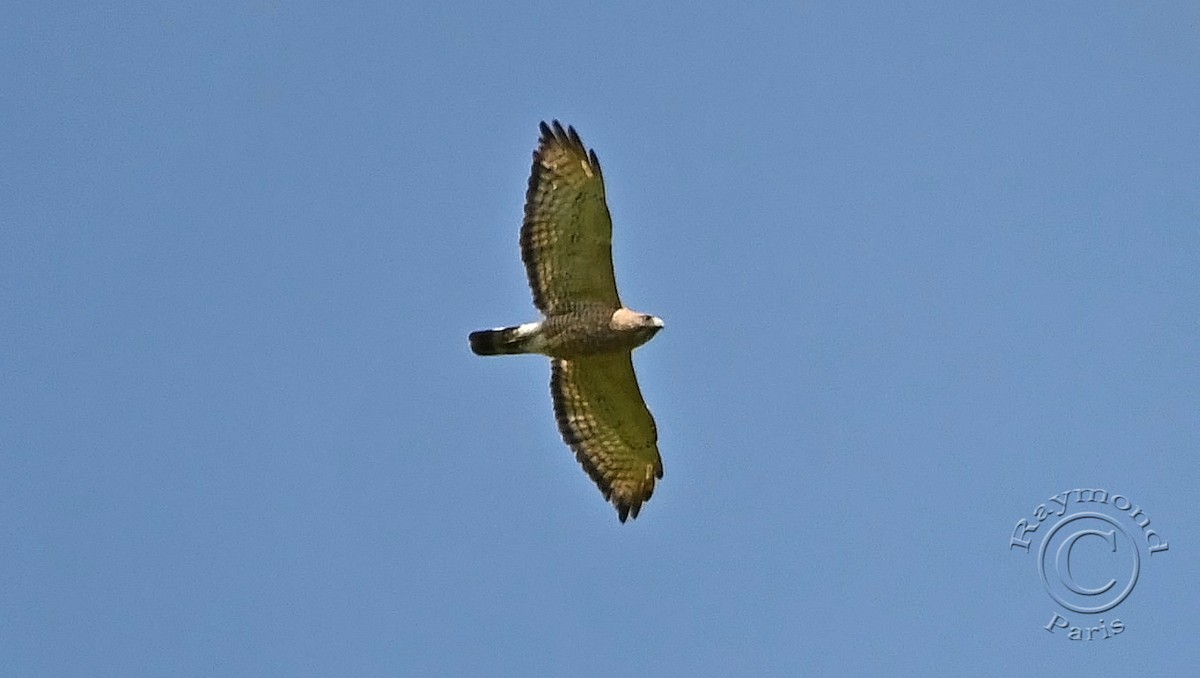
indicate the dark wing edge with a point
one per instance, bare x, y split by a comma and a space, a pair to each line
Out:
592, 415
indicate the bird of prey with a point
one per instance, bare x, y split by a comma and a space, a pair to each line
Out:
566, 245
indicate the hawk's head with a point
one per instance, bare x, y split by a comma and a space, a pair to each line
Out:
641, 326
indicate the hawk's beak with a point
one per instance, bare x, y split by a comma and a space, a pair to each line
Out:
656, 321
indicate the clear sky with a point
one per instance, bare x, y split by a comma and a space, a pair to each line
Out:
922, 266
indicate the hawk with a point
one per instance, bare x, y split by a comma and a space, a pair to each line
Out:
566, 245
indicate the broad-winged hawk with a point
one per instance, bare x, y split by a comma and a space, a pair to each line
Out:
566, 244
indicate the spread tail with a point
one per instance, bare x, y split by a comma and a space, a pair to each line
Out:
505, 341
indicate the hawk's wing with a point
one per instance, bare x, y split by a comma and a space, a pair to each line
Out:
602, 416
566, 238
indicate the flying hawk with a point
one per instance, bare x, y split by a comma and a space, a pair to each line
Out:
566, 244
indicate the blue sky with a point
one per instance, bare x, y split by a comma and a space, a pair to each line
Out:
922, 266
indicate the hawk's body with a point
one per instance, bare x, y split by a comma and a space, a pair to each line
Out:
566, 244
